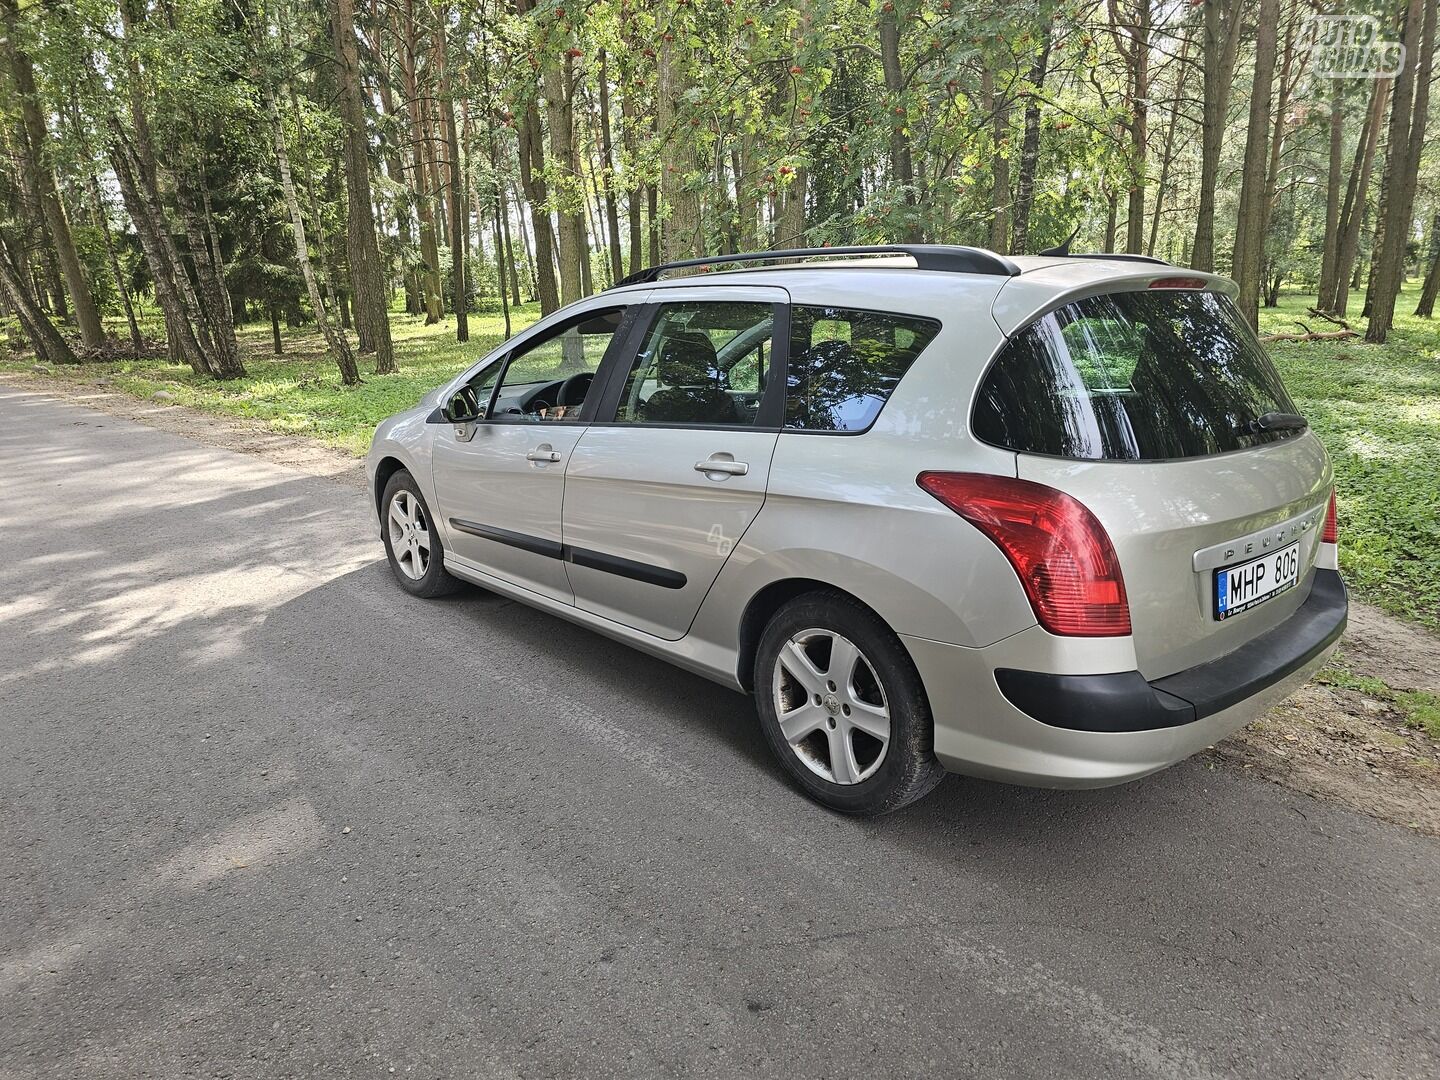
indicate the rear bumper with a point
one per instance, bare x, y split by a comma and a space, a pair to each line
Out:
1126, 702
999, 718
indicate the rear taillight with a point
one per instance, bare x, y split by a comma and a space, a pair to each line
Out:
1178, 283
1331, 534
1062, 554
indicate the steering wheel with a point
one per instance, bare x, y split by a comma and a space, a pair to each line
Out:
573, 390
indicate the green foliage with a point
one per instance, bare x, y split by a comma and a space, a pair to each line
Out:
1377, 409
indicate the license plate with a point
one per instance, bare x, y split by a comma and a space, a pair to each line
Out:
1240, 587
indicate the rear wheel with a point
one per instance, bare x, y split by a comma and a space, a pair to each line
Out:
417, 557
842, 706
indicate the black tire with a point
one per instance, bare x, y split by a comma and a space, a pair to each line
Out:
436, 581
907, 769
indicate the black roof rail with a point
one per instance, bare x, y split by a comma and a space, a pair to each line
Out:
947, 258
1104, 255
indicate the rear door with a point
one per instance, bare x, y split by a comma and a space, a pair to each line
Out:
661, 487
1147, 406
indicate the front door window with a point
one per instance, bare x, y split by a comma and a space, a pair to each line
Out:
549, 379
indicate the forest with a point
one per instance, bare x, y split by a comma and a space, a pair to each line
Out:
218, 163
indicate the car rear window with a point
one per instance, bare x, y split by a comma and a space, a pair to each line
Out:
844, 364
1132, 376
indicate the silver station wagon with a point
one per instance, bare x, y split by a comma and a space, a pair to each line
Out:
1050, 520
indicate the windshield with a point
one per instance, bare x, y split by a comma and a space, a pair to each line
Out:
1132, 376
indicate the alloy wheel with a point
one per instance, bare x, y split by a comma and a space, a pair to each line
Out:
409, 535
830, 705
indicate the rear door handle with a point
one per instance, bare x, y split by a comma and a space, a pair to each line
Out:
543, 453
729, 468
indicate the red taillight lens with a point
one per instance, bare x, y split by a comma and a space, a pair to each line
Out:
1060, 551
1331, 534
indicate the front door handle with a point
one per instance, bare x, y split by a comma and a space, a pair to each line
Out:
720, 465
543, 453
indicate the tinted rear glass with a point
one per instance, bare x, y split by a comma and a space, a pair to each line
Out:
1132, 376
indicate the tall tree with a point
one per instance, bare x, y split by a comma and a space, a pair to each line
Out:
1409, 113
902, 163
334, 337
1250, 222
1030, 147
367, 282
454, 176
33, 143
1220, 48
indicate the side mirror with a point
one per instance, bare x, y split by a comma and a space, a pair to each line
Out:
463, 408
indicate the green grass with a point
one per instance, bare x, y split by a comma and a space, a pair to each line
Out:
300, 393
1420, 708
1377, 408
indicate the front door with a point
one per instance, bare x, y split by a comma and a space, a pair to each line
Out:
500, 481
659, 490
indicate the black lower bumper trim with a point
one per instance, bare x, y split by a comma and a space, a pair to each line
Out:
1126, 702
595, 560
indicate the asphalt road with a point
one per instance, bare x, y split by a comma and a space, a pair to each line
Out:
262, 814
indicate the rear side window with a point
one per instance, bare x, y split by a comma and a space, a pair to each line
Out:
844, 364
1132, 376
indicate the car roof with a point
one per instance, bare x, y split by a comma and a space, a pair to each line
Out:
894, 283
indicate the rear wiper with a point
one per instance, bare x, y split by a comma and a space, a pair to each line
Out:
1277, 421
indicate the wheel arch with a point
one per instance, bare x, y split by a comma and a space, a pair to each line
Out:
762, 607
387, 467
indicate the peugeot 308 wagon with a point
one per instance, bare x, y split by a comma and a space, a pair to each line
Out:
1050, 520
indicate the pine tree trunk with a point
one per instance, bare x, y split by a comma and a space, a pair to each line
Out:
1356, 193
1426, 308
902, 165
505, 231
98, 217
1139, 64
607, 159
1222, 20
339, 347
47, 342
1406, 141
34, 142
682, 236
456, 185
1029, 152
1330, 252
634, 197
215, 328
558, 86
532, 179
1167, 155
999, 165
172, 287
367, 279
1250, 224
425, 182
395, 170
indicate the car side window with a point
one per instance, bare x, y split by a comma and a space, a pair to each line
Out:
702, 362
844, 364
549, 379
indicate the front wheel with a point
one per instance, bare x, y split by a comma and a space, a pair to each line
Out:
412, 544
842, 706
